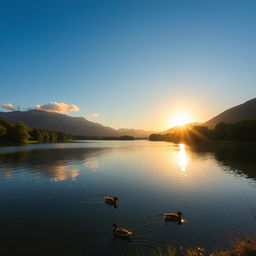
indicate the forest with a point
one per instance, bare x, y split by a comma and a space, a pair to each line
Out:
21, 133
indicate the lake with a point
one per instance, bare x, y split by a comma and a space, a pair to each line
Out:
51, 196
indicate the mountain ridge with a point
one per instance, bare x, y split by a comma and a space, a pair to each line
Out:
246, 110
64, 123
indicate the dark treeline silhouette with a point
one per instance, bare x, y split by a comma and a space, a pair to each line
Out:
244, 130
21, 133
125, 137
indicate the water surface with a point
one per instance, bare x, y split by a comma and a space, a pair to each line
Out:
51, 196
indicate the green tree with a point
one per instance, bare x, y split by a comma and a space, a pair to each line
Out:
9, 129
21, 132
3, 131
52, 136
36, 134
45, 135
61, 136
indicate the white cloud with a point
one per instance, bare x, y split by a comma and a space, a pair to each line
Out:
8, 106
92, 115
58, 107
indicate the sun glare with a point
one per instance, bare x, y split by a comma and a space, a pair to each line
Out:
180, 119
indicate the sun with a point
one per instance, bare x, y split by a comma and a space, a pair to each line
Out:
180, 119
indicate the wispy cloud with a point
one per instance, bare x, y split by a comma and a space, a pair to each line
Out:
58, 107
92, 115
8, 106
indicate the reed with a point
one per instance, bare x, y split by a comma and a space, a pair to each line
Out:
245, 246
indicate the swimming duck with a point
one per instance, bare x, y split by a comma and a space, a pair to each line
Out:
121, 232
173, 216
111, 200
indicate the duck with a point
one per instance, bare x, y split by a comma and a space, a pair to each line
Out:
111, 200
175, 217
120, 232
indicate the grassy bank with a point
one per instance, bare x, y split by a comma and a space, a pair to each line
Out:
245, 246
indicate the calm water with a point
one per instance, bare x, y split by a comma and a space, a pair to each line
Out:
51, 196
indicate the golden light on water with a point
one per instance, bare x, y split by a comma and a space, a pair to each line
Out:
182, 158
92, 164
61, 173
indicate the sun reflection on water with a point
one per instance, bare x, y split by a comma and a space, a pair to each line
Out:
182, 158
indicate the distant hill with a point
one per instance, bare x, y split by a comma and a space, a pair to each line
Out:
135, 132
243, 111
64, 123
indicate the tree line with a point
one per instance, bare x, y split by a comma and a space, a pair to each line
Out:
21, 133
244, 130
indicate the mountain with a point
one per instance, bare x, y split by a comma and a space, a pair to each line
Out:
243, 111
64, 123
135, 132
58, 122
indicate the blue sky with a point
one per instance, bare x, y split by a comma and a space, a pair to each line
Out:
134, 63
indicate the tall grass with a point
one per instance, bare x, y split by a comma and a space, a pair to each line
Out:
167, 251
245, 246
